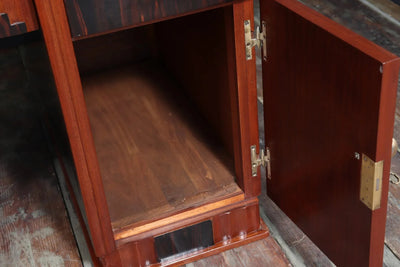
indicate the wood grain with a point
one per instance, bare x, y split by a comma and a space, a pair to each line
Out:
245, 100
366, 22
34, 227
225, 93
88, 18
334, 112
54, 24
265, 252
152, 156
20, 12
210, 88
149, 227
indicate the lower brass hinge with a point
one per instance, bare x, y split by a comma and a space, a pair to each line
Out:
263, 159
260, 39
371, 182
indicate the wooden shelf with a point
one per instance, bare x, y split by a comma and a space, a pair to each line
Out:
157, 156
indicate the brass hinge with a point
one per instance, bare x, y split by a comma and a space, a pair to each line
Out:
371, 182
260, 39
263, 159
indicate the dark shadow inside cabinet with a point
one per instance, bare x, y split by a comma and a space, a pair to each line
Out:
159, 99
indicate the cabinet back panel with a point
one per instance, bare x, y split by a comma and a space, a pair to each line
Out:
194, 50
115, 49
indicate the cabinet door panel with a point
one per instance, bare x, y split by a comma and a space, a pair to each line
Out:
328, 94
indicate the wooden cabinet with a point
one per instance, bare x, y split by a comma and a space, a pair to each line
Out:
159, 101
17, 17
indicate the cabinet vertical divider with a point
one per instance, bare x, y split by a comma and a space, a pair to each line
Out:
55, 28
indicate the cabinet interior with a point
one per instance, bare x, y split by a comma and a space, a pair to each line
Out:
159, 102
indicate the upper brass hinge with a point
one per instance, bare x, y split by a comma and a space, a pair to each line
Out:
260, 39
263, 159
371, 182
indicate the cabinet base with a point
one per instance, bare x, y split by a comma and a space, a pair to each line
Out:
220, 247
228, 229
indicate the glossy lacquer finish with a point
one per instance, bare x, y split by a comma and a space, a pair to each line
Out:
98, 16
54, 24
328, 93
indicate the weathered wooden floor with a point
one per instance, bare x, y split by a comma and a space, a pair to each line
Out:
34, 228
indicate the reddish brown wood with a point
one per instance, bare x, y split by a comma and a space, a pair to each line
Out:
152, 157
222, 246
326, 98
7, 29
87, 18
387, 108
199, 216
56, 32
98, 53
209, 88
216, 90
246, 100
235, 223
20, 12
232, 233
138, 253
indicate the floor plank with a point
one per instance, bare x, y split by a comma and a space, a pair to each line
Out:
265, 252
34, 226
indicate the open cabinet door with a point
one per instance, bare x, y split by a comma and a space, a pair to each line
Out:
329, 96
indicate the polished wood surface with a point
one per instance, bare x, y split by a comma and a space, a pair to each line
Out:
156, 154
244, 102
54, 24
319, 111
146, 228
62, 58
235, 226
208, 87
88, 18
21, 16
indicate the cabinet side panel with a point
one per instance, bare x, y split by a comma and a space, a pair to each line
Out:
62, 58
246, 98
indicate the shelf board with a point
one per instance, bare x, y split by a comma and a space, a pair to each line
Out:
156, 155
